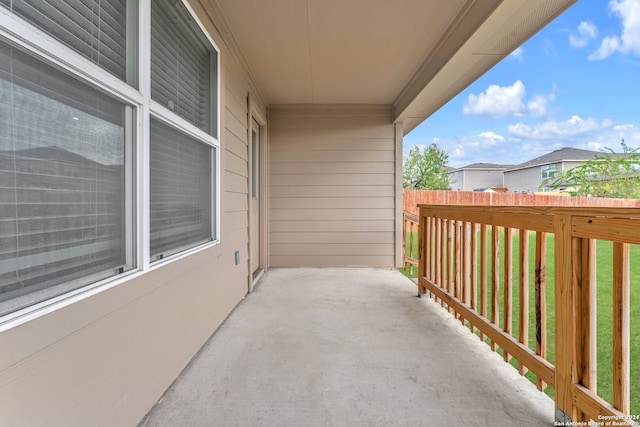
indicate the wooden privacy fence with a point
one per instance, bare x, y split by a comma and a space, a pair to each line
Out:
413, 198
468, 255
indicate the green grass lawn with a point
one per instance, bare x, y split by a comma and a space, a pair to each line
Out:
604, 312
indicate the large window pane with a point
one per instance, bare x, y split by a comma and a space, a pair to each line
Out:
97, 29
182, 64
63, 173
181, 191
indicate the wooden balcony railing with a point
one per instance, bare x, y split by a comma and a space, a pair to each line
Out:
476, 260
410, 242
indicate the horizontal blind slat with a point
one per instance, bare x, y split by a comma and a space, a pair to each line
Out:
96, 29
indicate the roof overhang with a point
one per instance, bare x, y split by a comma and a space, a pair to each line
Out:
411, 55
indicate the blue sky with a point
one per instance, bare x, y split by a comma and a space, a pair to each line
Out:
574, 84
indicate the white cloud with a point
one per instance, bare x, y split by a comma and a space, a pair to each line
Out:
523, 142
630, 134
611, 138
486, 147
586, 32
552, 130
538, 104
504, 101
607, 48
628, 11
517, 54
492, 138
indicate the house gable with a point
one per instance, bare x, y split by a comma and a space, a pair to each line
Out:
528, 176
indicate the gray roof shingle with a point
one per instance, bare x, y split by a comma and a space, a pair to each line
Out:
562, 154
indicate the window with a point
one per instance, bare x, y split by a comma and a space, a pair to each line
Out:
183, 65
64, 165
181, 191
70, 133
548, 171
97, 29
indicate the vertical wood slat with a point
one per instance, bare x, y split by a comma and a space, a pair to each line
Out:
445, 254
424, 260
474, 270
427, 242
457, 264
450, 254
507, 324
411, 243
439, 252
404, 240
495, 279
432, 268
424, 239
621, 333
541, 299
564, 319
483, 272
523, 260
427, 237
466, 263
584, 265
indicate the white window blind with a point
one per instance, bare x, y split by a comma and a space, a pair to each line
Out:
182, 64
94, 28
63, 172
180, 191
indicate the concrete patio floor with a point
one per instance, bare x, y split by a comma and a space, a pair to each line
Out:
346, 347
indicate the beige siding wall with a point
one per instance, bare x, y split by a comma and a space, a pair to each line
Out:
332, 176
469, 180
529, 180
456, 180
106, 359
483, 179
524, 180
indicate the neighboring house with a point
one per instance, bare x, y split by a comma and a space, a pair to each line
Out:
198, 143
477, 176
528, 176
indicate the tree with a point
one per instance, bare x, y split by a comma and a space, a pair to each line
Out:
610, 174
426, 169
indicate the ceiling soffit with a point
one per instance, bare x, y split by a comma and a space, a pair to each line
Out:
414, 55
337, 51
